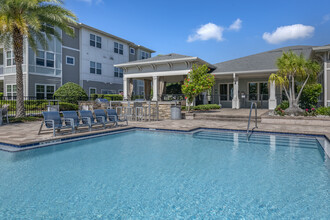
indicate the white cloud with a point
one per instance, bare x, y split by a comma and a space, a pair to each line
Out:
207, 32
237, 25
291, 32
326, 18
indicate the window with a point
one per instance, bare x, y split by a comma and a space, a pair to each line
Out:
92, 67
119, 48
10, 58
50, 59
144, 55
11, 91
98, 68
70, 60
98, 42
118, 72
263, 91
92, 40
40, 58
92, 91
1, 56
226, 92
45, 91
50, 28
253, 91
132, 51
104, 91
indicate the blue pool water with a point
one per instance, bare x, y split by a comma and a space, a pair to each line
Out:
155, 175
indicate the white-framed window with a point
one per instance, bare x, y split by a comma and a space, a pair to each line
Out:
11, 91
45, 58
44, 91
118, 72
92, 91
258, 91
1, 56
95, 68
95, 41
132, 51
70, 60
226, 91
118, 48
144, 55
10, 58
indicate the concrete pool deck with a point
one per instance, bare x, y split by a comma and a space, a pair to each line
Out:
21, 134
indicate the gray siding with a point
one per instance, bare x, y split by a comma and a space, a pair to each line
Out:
133, 57
11, 79
68, 41
37, 79
71, 73
328, 83
100, 85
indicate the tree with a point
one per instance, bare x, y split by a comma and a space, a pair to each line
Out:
197, 81
36, 20
71, 92
292, 69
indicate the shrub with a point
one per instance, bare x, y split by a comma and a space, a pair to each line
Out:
64, 106
310, 112
323, 111
279, 110
203, 107
1, 95
114, 97
70, 92
310, 95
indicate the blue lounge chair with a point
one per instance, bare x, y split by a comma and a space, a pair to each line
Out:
72, 115
112, 116
87, 118
53, 120
101, 117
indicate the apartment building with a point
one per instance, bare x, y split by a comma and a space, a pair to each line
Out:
87, 59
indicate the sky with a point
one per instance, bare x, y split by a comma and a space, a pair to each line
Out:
214, 31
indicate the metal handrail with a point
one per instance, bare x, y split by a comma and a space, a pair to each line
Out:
255, 120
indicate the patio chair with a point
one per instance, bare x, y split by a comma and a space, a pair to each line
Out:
53, 120
72, 115
112, 116
5, 112
102, 117
87, 118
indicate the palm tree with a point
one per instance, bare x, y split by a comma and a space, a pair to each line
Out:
36, 20
294, 69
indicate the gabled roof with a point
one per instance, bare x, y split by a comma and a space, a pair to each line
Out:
261, 61
168, 58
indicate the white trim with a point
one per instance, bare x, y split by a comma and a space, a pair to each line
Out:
151, 74
258, 90
228, 92
89, 91
325, 80
131, 49
70, 48
156, 61
10, 84
41, 74
247, 72
45, 60
321, 48
45, 85
66, 60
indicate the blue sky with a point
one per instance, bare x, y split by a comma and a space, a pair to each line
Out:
215, 31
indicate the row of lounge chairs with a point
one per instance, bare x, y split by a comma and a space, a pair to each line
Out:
71, 120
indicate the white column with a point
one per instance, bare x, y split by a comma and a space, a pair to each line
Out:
235, 101
325, 78
272, 97
125, 88
155, 88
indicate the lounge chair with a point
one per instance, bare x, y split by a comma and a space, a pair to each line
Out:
87, 118
101, 116
54, 121
68, 115
112, 116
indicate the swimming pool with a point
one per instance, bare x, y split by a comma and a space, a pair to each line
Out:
145, 174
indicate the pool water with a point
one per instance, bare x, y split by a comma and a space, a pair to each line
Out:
157, 175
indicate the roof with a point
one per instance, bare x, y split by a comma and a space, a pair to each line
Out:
261, 61
172, 57
322, 48
131, 44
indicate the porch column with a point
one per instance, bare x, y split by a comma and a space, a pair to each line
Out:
125, 88
272, 97
235, 101
155, 88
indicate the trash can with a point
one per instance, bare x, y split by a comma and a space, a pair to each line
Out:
176, 112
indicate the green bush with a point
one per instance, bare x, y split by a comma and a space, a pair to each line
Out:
114, 97
310, 95
323, 111
64, 106
203, 107
1, 95
71, 93
279, 110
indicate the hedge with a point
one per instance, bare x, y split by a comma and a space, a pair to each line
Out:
203, 107
323, 111
1, 95
64, 106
